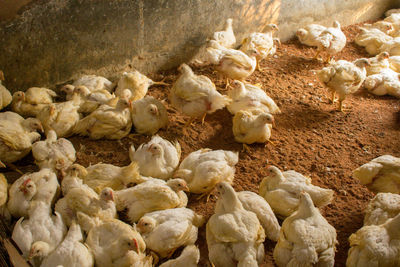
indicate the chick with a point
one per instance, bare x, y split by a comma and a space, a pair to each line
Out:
375, 245
73, 178
234, 235
31, 102
247, 96
151, 195
158, 158
90, 101
196, 95
332, 40
343, 77
94, 83
372, 39
262, 42
252, 126
226, 37
381, 208
386, 82
166, 230
107, 122
53, 153
60, 117
3, 198
189, 257
17, 135
381, 174
204, 168
137, 83
309, 34
149, 115
5, 95
306, 238
394, 63
378, 64
282, 191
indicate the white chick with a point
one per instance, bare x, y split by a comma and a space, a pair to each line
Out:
262, 42
343, 77
60, 117
234, 235
392, 11
376, 245
53, 153
309, 34
111, 241
103, 175
381, 208
252, 126
149, 115
384, 26
247, 96
137, 83
282, 191
196, 95
107, 122
70, 252
372, 40
69, 91
381, 174
42, 185
31, 102
378, 64
166, 230
332, 40
94, 83
392, 47
73, 178
41, 226
90, 101
5, 95
226, 37
158, 158
189, 257
386, 82
151, 195
306, 238
17, 135
204, 168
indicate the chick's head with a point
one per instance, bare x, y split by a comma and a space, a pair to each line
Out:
107, 194
68, 89
82, 90
271, 27
178, 185
39, 249
153, 109
301, 33
28, 187
19, 96
362, 62
146, 225
155, 149
76, 170
273, 171
383, 56
33, 124
129, 243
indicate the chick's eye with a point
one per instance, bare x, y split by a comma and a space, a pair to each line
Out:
146, 224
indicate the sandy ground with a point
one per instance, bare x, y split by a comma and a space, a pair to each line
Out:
310, 136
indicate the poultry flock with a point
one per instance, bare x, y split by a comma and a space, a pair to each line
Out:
66, 214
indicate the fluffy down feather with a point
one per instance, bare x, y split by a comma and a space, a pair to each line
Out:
381, 208
149, 115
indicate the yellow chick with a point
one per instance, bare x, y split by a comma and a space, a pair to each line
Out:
149, 115
137, 83
372, 39
94, 83
382, 207
309, 34
32, 102
5, 95
332, 40
196, 95
107, 122
226, 37
378, 63
90, 101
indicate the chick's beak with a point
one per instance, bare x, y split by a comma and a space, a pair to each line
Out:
186, 188
112, 196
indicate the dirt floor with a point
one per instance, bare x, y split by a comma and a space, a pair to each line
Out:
310, 137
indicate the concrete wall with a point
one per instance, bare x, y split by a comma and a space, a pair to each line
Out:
48, 42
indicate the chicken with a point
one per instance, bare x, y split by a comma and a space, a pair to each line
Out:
384, 26
158, 158
392, 11
372, 40
41, 226
107, 122
378, 64
189, 257
306, 238
252, 126
60, 117
166, 230
103, 175
3, 198
392, 47
5, 95
332, 40
381, 174
32, 102
137, 83
204, 168
282, 191
94, 83
394, 63
17, 135
90, 101
196, 95
375, 245
387, 82
70, 252
226, 37
69, 91
343, 77
42, 185
309, 34
381, 208
234, 235
151, 195
262, 42
247, 96
53, 153
149, 115
73, 178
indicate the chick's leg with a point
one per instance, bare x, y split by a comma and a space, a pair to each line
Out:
333, 97
317, 55
203, 118
246, 148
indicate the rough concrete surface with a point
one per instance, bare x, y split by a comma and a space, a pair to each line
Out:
48, 42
